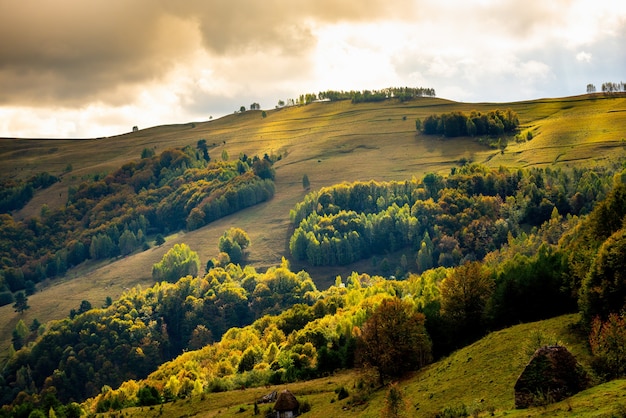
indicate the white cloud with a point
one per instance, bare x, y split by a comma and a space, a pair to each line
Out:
583, 56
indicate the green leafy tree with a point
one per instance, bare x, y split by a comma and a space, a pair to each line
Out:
178, 262
159, 240
21, 302
604, 289
128, 242
234, 242
306, 184
394, 340
464, 297
19, 335
147, 153
195, 219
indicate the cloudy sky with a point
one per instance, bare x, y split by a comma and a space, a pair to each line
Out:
76, 68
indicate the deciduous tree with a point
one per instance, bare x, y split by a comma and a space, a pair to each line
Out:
394, 340
178, 262
464, 296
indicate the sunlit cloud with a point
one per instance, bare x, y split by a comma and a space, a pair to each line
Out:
98, 68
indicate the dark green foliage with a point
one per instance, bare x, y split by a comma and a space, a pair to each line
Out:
603, 291
112, 215
6, 298
400, 93
29, 287
159, 240
148, 395
147, 153
15, 194
21, 302
530, 288
583, 243
494, 123
466, 215
342, 393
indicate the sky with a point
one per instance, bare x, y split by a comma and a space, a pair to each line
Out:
84, 69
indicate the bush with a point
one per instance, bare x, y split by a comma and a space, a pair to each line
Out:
342, 393
453, 412
178, 262
147, 396
305, 406
608, 341
6, 298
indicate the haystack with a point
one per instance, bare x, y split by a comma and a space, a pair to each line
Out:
286, 405
552, 375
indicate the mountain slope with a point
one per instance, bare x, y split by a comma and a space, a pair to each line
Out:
330, 142
478, 378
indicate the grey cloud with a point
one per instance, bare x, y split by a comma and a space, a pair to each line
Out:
237, 24
71, 52
68, 52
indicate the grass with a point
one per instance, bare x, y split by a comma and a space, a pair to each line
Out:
478, 378
330, 142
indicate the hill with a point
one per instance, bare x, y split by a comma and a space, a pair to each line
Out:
330, 142
478, 379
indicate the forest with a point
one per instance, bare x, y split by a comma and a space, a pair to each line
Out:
110, 215
450, 125
437, 253
446, 221
235, 327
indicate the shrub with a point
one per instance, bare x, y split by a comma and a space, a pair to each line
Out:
6, 298
608, 345
178, 262
342, 393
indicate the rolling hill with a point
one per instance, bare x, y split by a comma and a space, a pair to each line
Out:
477, 379
330, 142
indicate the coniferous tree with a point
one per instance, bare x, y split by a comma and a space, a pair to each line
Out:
21, 302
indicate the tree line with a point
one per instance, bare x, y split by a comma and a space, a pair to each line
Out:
453, 124
15, 193
114, 214
443, 221
362, 96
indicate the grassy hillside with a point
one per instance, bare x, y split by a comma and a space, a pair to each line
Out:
479, 378
330, 142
